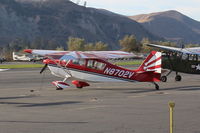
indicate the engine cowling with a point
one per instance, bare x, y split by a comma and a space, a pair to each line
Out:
60, 84
80, 84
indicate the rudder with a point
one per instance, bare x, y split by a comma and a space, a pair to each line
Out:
152, 63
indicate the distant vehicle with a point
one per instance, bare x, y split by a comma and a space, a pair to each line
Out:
26, 57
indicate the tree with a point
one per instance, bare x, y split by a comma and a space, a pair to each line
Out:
75, 44
89, 47
166, 43
100, 46
52, 44
130, 44
192, 45
39, 43
18, 44
60, 48
145, 48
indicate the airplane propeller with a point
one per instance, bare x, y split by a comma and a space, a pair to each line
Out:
44, 67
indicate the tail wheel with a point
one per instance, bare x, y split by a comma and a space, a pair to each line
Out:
163, 78
156, 86
178, 78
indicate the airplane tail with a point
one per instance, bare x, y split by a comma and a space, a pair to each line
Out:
151, 67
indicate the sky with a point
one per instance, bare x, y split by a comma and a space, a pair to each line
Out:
190, 8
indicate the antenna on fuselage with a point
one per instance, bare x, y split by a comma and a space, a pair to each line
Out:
182, 46
85, 3
77, 2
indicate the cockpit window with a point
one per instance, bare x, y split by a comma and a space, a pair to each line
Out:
195, 58
90, 64
95, 65
184, 56
80, 62
190, 57
99, 65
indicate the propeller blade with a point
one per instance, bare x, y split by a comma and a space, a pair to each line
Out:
45, 66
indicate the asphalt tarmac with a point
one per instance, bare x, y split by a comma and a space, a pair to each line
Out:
100, 108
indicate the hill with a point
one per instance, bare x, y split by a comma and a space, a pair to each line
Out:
58, 19
171, 25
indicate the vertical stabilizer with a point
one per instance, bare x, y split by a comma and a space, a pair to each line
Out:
152, 63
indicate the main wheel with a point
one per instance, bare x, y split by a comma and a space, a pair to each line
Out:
79, 86
178, 78
59, 88
163, 78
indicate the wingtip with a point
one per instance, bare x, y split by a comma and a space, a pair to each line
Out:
28, 51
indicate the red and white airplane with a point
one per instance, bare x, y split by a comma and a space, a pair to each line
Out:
92, 66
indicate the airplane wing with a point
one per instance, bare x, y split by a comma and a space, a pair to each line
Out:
174, 49
165, 47
195, 50
80, 54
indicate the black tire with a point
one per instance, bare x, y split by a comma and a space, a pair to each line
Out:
59, 88
178, 78
79, 87
163, 78
157, 87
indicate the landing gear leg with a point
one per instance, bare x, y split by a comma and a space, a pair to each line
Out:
178, 77
156, 86
164, 78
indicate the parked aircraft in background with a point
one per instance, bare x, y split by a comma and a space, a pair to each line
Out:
1, 70
185, 60
25, 57
92, 66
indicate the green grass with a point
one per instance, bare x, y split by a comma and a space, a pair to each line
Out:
129, 63
21, 66
13, 66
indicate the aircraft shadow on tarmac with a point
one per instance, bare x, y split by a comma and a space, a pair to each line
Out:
184, 88
40, 104
181, 88
42, 122
19, 97
144, 90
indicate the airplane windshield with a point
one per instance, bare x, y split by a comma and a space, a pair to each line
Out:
184, 56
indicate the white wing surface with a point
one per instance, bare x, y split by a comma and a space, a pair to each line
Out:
80, 54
